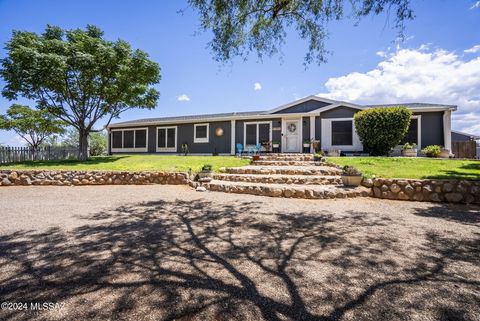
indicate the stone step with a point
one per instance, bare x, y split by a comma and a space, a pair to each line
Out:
284, 170
281, 179
289, 191
262, 162
287, 157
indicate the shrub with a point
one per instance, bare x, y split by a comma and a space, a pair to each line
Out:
432, 150
351, 171
381, 129
409, 146
207, 168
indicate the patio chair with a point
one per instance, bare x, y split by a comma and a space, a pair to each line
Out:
257, 149
240, 149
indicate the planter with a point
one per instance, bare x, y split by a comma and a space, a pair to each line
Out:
276, 145
410, 152
352, 180
204, 174
445, 153
306, 145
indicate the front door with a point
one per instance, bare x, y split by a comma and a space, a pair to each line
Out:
292, 136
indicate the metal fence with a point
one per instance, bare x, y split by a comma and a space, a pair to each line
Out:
21, 154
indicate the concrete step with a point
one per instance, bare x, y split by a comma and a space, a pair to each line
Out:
284, 170
280, 179
262, 162
289, 191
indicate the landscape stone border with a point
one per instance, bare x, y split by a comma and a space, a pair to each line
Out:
439, 190
66, 178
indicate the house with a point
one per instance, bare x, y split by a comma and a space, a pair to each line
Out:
329, 121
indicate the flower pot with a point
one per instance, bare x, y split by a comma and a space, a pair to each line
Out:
275, 145
352, 180
445, 153
410, 152
306, 145
255, 157
204, 174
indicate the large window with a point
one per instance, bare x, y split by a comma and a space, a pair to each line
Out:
200, 133
412, 134
257, 132
342, 133
129, 140
167, 139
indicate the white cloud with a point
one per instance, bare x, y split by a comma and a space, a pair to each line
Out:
475, 5
183, 98
417, 75
257, 86
474, 49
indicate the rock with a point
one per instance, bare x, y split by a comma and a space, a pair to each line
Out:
434, 197
447, 187
85, 181
384, 188
25, 180
395, 188
469, 198
117, 181
367, 182
13, 176
6, 182
377, 192
402, 182
418, 197
377, 182
403, 196
475, 190
409, 189
288, 192
453, 197
205, 180
75, 181
427, 188
201, 189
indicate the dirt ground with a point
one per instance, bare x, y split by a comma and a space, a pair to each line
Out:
169, 253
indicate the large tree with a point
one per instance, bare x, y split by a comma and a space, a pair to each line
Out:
244, 26
33, 125
78, 76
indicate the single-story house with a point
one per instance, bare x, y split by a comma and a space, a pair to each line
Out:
310, 118
463, 137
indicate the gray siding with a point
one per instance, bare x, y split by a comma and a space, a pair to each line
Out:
239, 125
339, 112
458, 137
432, 128
303, 107
306, 129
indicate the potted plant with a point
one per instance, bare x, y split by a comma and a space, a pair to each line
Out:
306, 143
351, 176
445, 153
315, 144
409, 150
185, 149
318, 157
275, 144
206, 171
432, 151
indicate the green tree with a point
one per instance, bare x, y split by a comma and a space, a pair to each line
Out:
97, 141
240, 27
381, 129
33, 125
78, 76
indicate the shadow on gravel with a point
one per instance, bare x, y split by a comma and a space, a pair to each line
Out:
465, 214
200, 261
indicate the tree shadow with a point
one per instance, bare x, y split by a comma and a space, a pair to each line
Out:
203, 261
458, 174
465, 214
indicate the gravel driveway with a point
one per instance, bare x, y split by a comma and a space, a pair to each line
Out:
169, 253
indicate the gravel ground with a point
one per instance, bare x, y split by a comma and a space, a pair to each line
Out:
168, 253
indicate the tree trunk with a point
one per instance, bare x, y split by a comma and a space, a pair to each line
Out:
82, 145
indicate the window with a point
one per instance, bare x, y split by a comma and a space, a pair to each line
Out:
257, 132
342, 133
167, 139
200, 133
412, 134
125, 140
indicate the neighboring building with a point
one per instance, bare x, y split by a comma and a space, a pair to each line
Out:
463, 137
329, 121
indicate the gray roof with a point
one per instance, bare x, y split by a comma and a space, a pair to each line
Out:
413, 105
191, 117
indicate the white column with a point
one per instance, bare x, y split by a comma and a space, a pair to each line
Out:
447, 129
312, 132
232, 134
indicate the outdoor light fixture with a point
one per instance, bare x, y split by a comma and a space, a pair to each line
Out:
219, 131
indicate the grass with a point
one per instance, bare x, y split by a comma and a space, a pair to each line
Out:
170, 163
400, 167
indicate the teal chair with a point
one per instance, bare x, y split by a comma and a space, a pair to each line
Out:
240, 149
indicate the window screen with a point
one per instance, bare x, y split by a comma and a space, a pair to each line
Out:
128, 139
342, 132
251, 133
412, 135
170, 137
161, 139
140, 138
117, 139
263, 133
201, 131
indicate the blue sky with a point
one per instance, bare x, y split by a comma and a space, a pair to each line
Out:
437, 62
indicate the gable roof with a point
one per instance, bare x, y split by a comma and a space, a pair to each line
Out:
422, 106
330, 102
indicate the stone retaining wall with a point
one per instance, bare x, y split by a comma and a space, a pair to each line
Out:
452, 191
62, 178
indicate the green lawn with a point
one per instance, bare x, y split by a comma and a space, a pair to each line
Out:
171, 163
399, 167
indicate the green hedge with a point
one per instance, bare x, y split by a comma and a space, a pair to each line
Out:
381, 129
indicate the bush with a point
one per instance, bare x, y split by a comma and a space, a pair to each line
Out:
409, 146
207, 168
432, 150
381, 129
351, 171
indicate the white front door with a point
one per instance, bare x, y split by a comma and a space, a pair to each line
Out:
291, 136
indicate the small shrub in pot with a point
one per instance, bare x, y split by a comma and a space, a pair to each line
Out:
206, 171
409, 150
432, 151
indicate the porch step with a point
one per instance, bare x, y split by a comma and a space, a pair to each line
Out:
288, 191
262, 162
286, 157
281, 179
284, 170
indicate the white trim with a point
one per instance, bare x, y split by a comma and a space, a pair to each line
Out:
166, 149
419, 130
202, 139
300, 135
258, 132
131, 149
326, 141
447, 130
232, 138
333, 106
312, 132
